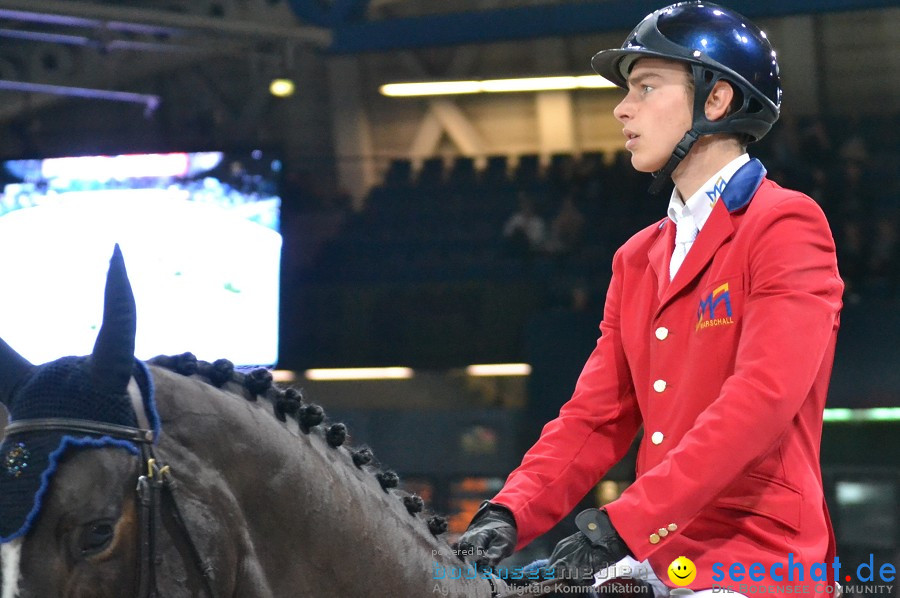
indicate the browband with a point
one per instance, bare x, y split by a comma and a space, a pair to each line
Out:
66, 424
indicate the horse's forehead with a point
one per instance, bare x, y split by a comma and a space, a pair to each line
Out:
92, 477
95, 465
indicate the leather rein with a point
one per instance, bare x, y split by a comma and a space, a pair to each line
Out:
150, 483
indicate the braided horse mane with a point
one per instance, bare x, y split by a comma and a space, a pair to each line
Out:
310, 417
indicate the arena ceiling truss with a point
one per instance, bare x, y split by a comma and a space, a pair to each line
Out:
105, 50
51, 49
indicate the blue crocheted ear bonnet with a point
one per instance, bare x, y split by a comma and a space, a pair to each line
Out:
93, 387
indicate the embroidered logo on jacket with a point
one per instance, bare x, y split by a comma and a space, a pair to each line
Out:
717, 191
715, 310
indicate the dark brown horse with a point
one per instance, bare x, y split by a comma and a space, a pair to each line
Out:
249, 492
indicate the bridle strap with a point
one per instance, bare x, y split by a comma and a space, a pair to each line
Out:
148, 515
206, 570
65, 424
149, 488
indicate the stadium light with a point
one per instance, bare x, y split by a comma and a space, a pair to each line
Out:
389, 373
281, 88
499, 369
284, 376
437, 88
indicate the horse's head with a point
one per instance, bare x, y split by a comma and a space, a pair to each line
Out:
67, 510
257, 503
85, 540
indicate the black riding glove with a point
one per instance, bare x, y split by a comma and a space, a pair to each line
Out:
596, 545
490, 538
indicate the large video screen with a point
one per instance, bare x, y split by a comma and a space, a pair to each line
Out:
199, 233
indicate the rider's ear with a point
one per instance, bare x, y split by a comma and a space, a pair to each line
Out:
719, 101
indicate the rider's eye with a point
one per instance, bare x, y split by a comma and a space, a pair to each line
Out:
96, 536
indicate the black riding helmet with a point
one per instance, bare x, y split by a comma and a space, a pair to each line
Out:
718, 44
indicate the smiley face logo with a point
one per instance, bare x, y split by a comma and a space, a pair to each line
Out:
682, 571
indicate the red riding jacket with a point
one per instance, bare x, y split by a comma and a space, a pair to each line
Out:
727, 368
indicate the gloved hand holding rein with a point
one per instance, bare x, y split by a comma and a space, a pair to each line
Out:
490, 538
594, 547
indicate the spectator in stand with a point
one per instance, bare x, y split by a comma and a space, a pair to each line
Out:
882, 270
567, 229
851, 258
853, 192
854, 148
816, 145
819, 188
784, 144
525, 231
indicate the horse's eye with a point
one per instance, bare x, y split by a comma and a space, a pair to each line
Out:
96, 536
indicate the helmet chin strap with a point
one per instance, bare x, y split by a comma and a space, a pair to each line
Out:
662, 176
704, 82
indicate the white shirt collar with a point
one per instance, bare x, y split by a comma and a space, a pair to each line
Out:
699, 205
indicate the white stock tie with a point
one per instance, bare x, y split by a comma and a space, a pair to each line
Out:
685, 233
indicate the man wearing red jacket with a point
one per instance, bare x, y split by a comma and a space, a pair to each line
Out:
718, 337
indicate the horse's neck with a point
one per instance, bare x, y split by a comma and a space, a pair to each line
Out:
304, 520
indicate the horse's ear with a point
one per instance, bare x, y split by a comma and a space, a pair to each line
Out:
13, 368
113, 356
